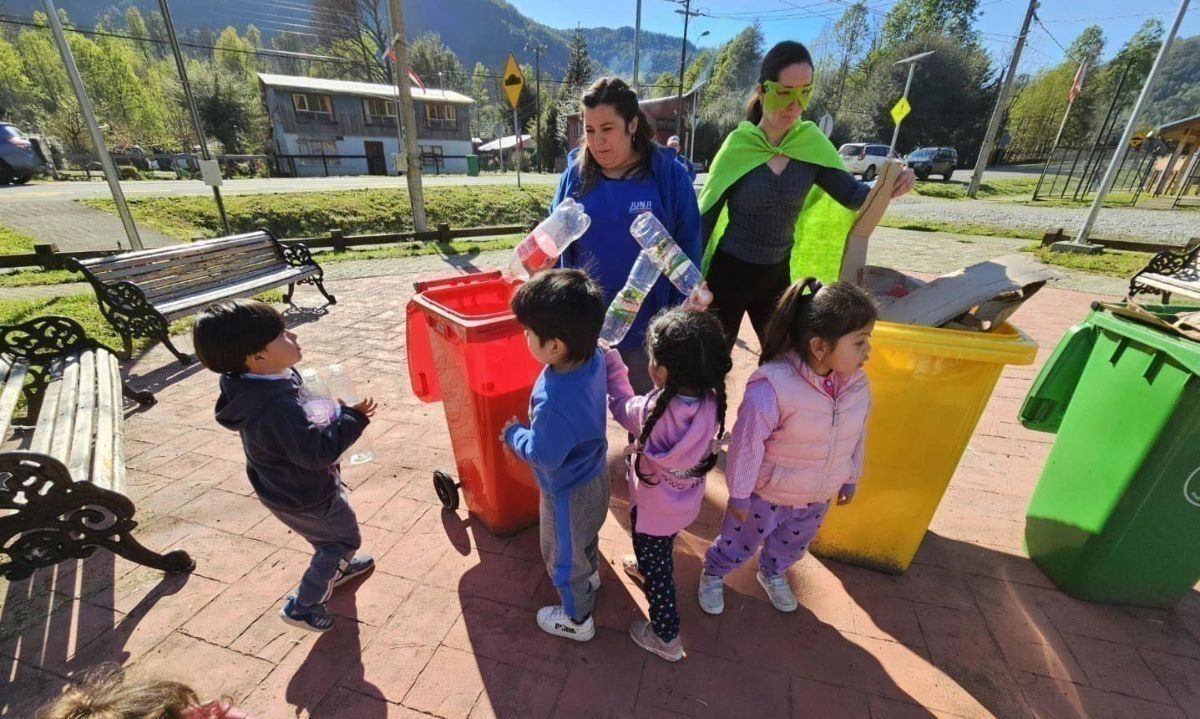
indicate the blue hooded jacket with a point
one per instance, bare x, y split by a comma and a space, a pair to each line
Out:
607, 251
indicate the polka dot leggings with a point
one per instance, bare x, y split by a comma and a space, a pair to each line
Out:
657, 565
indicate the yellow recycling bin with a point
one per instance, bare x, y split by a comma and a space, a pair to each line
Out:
930, 386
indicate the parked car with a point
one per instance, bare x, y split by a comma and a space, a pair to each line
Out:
926, 161
864, 158
18, 160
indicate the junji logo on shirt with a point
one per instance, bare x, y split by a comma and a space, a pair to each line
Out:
640, 206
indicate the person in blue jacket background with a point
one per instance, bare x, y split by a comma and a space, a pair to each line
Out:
617, 172
674, 144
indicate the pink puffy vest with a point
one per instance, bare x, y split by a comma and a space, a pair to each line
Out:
817, 446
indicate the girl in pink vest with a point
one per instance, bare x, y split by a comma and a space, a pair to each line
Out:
677, 426
798, 440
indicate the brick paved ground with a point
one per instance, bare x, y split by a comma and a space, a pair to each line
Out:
445, 625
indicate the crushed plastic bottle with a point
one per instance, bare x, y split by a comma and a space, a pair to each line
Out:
319, 408
625, 306
668, 256
341, 387
542, 247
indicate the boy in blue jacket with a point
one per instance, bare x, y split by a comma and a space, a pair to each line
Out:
565, 443
291, 460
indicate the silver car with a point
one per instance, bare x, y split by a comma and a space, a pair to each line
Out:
865, 158
19, 162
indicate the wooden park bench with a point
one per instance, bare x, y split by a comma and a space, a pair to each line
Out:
64, 496
141, 292
1169, 273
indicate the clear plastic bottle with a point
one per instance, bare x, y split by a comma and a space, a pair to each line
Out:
541, 248
319, 408
624, 308
341, 387
667, 255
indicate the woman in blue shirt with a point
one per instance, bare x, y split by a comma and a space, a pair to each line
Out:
617, 172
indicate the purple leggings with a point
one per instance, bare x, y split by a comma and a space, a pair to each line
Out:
783, 532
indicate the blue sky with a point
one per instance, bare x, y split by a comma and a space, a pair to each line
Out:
800, 20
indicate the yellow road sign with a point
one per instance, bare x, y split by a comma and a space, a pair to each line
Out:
900, 110
514, 80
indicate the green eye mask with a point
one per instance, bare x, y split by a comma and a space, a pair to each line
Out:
776, 97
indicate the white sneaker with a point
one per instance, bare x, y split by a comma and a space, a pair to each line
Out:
643, 635
553, 620
779, 592
630, 565
594, 581
712, 593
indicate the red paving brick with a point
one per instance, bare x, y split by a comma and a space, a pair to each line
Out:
445, 626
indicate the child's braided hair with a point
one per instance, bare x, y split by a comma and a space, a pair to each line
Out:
690, 345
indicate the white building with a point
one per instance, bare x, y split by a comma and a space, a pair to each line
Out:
337, 127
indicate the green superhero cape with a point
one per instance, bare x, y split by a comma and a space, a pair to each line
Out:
823, 225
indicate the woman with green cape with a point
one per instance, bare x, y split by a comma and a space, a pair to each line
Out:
778, 201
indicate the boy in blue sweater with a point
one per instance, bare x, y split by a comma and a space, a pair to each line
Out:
291, 459
562, 311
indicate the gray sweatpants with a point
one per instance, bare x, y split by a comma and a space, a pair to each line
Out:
332, 530
570, 532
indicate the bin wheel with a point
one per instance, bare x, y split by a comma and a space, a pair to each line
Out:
447, 490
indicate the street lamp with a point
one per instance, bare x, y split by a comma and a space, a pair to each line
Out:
912, 64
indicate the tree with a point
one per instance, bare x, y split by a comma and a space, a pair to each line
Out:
664, 85
1177, 94
911, 18
356, 30
292, 42
1088, 46
952, 95
436, 63
16, 91
579, 68
722, 102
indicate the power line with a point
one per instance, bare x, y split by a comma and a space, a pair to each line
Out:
1050, 35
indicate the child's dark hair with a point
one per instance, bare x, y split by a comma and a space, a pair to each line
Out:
807, 310
564, 305
615, 93
227, 333
104, 694
788, 52
691, 346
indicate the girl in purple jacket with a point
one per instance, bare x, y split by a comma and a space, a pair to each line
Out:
678, 426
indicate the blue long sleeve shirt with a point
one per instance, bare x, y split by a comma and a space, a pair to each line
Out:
607, 250
565, 442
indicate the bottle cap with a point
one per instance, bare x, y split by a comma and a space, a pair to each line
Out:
335, 369
308, 374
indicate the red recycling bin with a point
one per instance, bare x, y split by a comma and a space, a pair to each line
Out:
466, 349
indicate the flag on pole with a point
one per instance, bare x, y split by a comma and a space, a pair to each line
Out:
1077, 86
389, 55
415, 78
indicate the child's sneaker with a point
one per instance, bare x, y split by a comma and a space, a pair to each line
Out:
553, 620
712, 593
356, 567
594, 581
642, 634
630, 564
779, 592
314, 618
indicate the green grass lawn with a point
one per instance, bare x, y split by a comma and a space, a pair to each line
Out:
987, 190
1112, 263
312, 214
14, 243
959, 228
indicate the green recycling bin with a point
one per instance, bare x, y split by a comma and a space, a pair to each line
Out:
1116, 515
473, 165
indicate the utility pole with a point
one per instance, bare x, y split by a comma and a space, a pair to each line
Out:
537, 70
1080, 244
89, 117
408, 116
989, 137
191, 103
687, 15
637, 45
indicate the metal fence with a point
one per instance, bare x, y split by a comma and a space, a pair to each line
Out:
1076, 172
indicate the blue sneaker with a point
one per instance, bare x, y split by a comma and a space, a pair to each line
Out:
314, 618
357, 567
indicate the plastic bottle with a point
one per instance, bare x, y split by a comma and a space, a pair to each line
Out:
319, 408
543, 246
667, 255
624, 308
341, 387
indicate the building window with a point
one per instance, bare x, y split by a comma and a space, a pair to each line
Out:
311, 151
431, 156
379, 110
315, 104
441, 115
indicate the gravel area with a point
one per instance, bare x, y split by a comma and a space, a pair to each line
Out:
1172, 226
